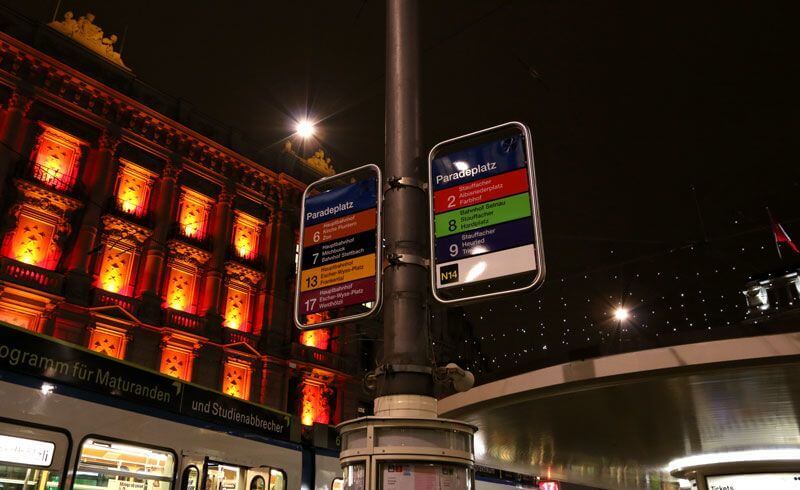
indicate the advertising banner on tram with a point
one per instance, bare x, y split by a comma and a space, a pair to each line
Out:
34, 355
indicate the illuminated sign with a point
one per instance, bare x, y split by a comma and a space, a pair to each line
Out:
485, 233
340, 249
754, 481
548, 485
28, 452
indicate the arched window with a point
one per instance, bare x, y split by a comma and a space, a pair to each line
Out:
258, 483
190, 478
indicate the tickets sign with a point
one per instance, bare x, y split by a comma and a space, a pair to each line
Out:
485, 234
340, 256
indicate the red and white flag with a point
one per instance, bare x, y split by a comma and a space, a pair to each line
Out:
781, 236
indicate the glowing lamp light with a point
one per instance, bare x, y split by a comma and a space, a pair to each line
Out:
190, 227
177, 299
305, 128
621, 314
232, 319
755, 455
319, 339
51, 170
244, 246
112, 282
245, 249
315, 405
26, 256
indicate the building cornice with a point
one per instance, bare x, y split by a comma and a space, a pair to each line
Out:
96, 102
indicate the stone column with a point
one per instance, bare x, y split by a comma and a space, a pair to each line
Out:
260, 323
155, 248
13, 129
279, 295
220, 236
98, 180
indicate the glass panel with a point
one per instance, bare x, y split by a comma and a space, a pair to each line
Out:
258, 483
424, 476
31, 464
119, 466
419, 437
277, 480
354, 440
14, 477
191, 476
25, 451
355, 476
338, 484
223, 477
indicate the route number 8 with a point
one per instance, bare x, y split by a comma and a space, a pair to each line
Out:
451, 225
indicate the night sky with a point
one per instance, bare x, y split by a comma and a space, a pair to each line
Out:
661, 133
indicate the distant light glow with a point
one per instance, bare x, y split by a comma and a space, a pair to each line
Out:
461, 165
47, 388
621, 314
480, 249
305, 128
788, 454
480, 446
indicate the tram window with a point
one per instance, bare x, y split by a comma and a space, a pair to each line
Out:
277, 480
258, 483
191, 475
26, 464
106, 465
223, 477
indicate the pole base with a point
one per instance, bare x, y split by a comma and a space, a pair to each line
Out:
406, 406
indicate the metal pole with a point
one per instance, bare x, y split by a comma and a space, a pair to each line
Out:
407, 367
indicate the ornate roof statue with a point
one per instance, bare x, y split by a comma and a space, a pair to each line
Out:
319, 162
85, 32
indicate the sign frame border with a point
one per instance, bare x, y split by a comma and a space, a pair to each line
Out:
378, 252
537, 227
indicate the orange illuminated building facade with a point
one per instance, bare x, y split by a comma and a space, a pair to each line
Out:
149, 238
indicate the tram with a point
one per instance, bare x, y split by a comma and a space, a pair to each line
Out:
56, 435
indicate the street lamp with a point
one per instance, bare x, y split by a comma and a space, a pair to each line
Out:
304, 128
621, 314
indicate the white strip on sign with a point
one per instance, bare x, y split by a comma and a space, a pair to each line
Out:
489, 266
